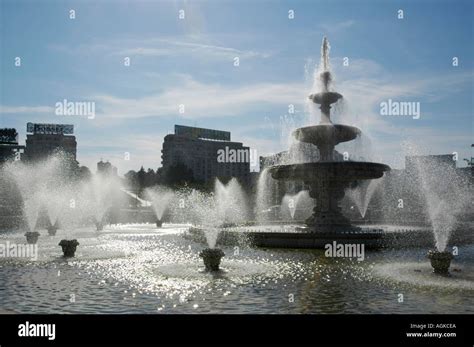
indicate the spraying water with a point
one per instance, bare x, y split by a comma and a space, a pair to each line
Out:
160, 198
226, 205
51, 186
300, 202
231, 202
362, 194
442, 191
264, 195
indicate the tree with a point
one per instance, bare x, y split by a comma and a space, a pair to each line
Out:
141, 177
84, 173
176, 175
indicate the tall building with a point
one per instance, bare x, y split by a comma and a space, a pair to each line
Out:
208, 153
43, 140
9, 147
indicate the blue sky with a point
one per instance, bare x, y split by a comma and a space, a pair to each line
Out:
190, 61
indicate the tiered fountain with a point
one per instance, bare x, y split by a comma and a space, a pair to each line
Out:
329, 177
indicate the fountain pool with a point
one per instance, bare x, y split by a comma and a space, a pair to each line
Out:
137, 268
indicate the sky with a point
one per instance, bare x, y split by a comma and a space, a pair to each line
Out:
190, 61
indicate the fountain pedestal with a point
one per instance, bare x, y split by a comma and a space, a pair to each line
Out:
327, 214
159, 223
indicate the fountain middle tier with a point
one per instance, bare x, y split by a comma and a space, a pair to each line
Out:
325, 98
326, 136
327, 182
339, 171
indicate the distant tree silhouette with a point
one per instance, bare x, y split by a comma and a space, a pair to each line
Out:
176, 175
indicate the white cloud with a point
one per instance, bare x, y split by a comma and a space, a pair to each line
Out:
171, 47
188, 46
200, 100
333, 28
26, 109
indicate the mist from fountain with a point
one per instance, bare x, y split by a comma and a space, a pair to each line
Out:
74, 208
291, 203
98, 191
160, 198
33, 181
445, 199
362, 194
227, 205
54, 205
263, 198
47, 185
231, 202
31, 211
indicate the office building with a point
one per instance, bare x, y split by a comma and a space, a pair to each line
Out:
9, 147
42, 140
208, 153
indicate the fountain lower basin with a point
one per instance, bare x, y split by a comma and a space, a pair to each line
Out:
295, 236
327, 183
335, 171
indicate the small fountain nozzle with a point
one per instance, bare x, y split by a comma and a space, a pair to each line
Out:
159, 223
440, 261
52, 229
69, 247
212, 258
99, 226
32, 237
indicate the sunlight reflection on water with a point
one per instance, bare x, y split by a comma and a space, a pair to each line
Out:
141, 269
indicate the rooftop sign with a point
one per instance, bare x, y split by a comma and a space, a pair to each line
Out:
37, 128
202, 133
8, 135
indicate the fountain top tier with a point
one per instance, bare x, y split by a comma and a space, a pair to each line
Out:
326, 97
326, 135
